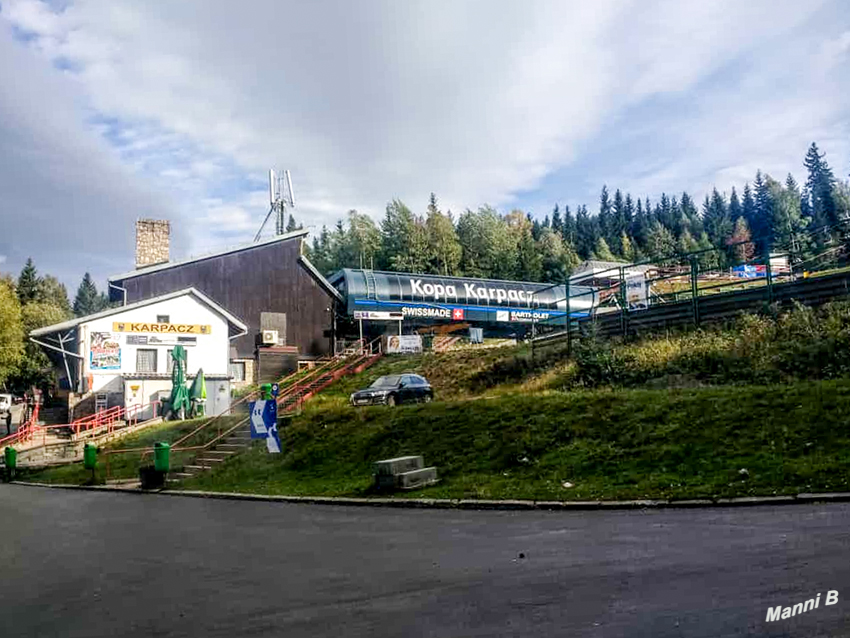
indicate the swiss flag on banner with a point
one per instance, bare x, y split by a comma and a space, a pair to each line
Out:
457, 314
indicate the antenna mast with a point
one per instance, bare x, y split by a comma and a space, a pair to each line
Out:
281, 195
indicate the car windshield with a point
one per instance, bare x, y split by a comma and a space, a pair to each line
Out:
386, 382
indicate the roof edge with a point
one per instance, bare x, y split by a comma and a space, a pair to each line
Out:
173, 264
308, 265
73, 323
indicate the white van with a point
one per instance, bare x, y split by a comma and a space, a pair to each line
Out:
5, 403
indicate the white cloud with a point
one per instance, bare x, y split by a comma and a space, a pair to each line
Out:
477, 101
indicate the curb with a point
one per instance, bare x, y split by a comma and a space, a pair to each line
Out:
474, 504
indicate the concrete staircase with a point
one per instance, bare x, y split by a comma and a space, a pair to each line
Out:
289, 401
237, 441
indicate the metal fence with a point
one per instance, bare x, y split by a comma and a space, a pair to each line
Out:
703, 286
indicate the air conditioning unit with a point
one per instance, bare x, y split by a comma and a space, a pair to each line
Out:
270, 337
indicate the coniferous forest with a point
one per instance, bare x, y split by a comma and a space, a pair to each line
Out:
621, 226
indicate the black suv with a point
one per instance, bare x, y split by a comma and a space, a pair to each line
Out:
394, 389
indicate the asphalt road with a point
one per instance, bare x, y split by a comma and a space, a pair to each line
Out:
76, 563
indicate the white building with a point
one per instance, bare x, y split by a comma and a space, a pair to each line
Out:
122, 356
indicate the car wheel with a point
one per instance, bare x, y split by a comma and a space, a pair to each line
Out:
391, 400
428, 398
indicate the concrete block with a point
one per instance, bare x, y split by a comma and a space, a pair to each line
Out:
392, 467
417, 478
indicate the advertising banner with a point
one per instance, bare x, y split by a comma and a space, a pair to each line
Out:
104, 352
404, 344
377, 315
637, 292
264, 423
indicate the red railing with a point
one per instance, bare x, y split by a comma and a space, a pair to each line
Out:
297, 387
107, 421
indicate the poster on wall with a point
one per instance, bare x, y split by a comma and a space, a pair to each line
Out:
637, 292
105, 351
404, 344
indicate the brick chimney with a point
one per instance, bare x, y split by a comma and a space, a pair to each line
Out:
152, 242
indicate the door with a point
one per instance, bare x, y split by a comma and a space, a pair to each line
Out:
408, 389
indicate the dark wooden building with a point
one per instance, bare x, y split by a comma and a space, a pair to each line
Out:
269, 284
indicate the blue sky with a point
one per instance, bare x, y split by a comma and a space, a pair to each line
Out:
113, 110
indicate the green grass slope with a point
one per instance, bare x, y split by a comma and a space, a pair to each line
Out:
725, 441
127, 465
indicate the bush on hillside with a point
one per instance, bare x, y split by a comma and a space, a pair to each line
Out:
775, 347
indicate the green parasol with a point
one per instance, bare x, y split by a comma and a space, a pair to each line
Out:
179, 402
198, 394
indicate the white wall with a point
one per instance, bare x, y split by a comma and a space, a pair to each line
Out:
210, 351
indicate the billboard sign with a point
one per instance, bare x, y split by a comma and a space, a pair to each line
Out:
637, 292
264, 424
404, 344
377, 315
104, 352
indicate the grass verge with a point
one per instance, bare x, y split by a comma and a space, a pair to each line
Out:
703, 442
125, 466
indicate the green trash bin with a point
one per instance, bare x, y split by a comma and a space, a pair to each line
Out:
89, 456
11, 456
161, 456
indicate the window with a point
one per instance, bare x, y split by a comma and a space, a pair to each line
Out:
145, 360
163, 319
237, 370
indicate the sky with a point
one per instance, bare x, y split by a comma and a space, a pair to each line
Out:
114, 110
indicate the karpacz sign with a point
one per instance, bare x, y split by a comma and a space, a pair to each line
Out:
472, 292
161, 328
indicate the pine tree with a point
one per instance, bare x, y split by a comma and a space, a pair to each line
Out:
820, 184
735, 208
619, 223
748, 206
602, 252
690, 212
640, 225
444, 246
557, 224
29, 283
660, 242
404, 239
762, 227
686, 243
568, 232
87, 301
606, 225
292, 225
585, 233
53, 292
537, 228
627, 250
741, 252
715, 218
789, 225
529, 264
629, 210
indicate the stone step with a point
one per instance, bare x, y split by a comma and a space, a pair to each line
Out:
417, 478
392, 467
409, 480
220, 452
178, 476
210, 459
194, 467
233, 446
